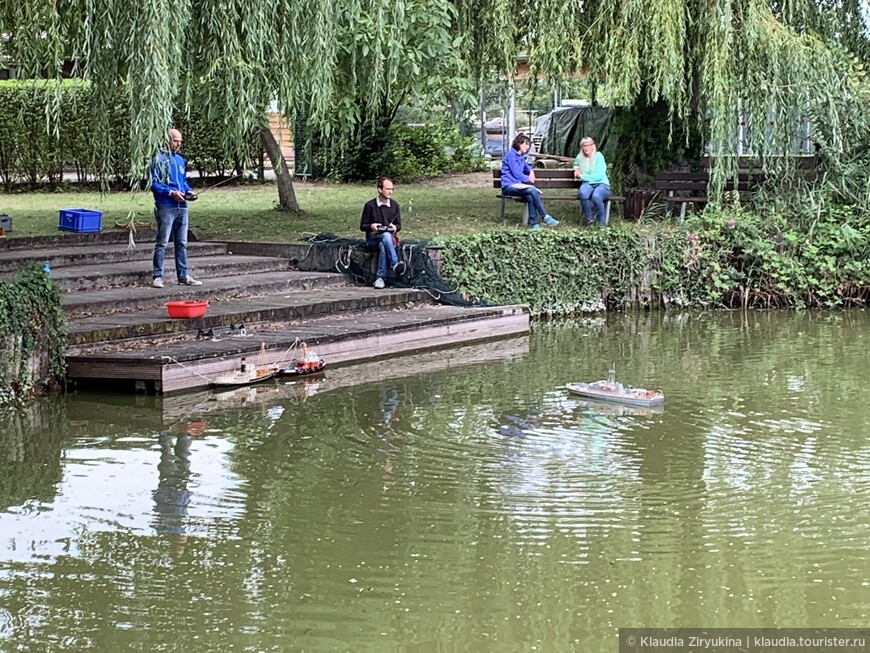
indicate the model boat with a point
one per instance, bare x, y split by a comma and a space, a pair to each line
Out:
614, 391
307, 364
246, 374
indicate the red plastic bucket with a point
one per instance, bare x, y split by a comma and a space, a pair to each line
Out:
186, 308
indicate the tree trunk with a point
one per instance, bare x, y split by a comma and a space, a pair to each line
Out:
286, 193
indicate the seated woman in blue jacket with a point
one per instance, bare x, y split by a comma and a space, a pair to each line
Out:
518, 179
591, 169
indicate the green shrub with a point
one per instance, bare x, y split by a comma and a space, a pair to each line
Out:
32, 333
724, 256
402, 152
431, 150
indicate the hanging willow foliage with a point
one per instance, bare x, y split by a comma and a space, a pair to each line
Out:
344, 62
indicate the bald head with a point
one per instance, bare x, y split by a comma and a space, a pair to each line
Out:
174, 140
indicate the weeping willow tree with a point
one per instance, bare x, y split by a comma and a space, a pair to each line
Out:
229, 58
389, 54
348, 63
714, 63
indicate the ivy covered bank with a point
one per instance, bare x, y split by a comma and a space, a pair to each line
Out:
726, 257
33, 336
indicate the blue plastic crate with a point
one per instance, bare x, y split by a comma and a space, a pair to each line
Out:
79, 220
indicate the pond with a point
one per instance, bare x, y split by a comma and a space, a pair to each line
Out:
458, 500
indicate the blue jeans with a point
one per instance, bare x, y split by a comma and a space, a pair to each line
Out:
598, 194
383, 242
171, 220
533, 200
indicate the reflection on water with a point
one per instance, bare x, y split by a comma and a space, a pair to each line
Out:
172, 496
457, 500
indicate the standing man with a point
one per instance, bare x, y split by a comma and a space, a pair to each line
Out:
381, 220
170, 189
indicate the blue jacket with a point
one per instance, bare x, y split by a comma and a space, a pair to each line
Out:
514, 169
167, 174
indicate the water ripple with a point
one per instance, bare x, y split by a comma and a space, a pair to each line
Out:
484, 507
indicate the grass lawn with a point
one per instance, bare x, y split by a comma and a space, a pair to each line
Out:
448, 205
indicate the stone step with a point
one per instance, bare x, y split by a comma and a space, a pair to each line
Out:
135, 273
293, 305
120, 333
134, 300
70, 239
57, 257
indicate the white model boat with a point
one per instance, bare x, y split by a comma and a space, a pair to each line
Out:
613, 391
245, 375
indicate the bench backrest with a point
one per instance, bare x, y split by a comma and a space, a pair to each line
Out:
698, 181
546, 178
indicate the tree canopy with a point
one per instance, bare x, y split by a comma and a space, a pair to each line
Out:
346, 61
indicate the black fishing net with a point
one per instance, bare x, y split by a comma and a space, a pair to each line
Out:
356, 260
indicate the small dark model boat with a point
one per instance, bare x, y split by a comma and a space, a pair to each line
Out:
310, 363
613, 391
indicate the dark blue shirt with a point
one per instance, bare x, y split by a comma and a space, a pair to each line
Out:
168, 173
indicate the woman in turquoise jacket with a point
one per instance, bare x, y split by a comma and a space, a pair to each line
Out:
591, 169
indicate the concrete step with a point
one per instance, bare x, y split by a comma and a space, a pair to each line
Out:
69, 239
135, 273
293, 305
142, 298
57, 257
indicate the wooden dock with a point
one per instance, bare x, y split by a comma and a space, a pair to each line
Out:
264, 300
178, 412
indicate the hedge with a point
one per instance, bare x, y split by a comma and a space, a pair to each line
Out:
34, 151
724, 257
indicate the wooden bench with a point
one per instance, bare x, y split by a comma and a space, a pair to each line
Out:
684, 188
550, 182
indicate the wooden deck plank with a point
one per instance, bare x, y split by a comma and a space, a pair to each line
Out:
189, 364
180, 408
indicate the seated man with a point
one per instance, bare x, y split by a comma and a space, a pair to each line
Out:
381, 220
518, 179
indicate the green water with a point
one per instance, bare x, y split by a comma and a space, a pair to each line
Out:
455, 501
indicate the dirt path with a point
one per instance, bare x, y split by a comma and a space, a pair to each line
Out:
465, 180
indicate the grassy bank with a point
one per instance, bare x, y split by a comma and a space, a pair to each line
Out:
450, 205
726, 256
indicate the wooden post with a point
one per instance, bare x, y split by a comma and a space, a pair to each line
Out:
512, 115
